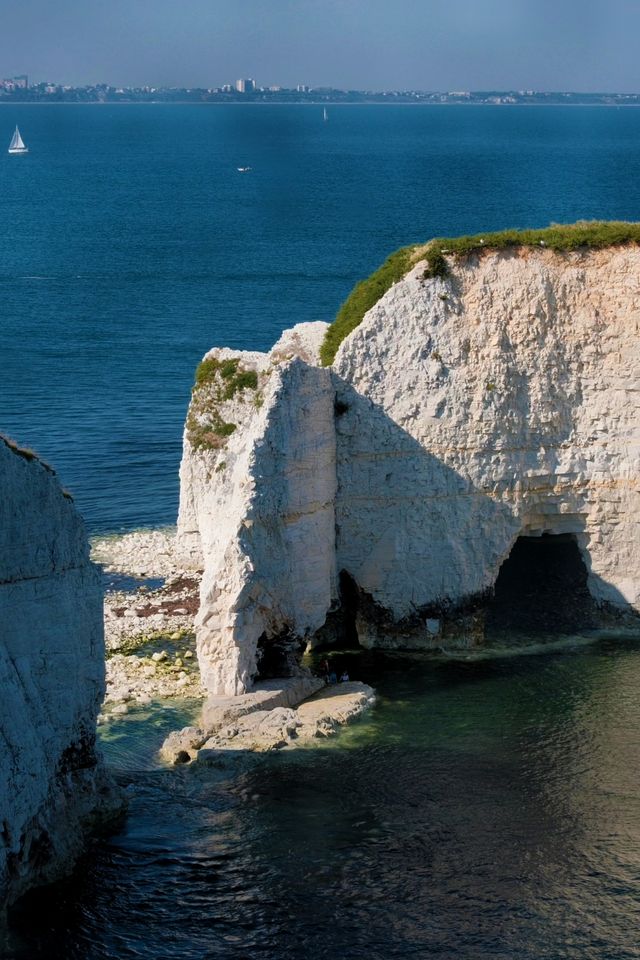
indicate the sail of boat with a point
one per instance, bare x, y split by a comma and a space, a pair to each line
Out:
325, 115
17, 143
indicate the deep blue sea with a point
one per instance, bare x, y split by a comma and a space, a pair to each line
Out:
131, 245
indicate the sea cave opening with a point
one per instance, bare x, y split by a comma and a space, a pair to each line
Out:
542, 588
277, 656
350, 602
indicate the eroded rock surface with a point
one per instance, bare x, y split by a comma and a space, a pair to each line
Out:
52, 784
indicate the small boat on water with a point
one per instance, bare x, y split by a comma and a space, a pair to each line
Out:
325, 115
244, 169
17, 143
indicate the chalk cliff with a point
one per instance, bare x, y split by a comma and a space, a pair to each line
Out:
495, 401
51, 677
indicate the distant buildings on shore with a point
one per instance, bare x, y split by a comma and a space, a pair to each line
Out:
17, 89
20, 82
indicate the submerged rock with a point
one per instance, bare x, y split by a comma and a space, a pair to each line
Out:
53, 787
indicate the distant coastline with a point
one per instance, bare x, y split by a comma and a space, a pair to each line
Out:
307, 103
105, 94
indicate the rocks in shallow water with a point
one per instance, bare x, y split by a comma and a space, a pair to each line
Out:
142, 660
245, 726
186, 741
267, 695
332, 707
140, 679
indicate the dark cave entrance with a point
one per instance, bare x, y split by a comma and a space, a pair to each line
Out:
349, 601
542, 588
340, 631
277, 656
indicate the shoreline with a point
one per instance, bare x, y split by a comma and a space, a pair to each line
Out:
295, 103
149, 629
150, 651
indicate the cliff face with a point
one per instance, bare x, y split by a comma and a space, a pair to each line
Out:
51, 677
500, 401
496, 402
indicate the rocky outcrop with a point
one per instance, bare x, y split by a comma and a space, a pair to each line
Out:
257, 502
496, 400
52, 786
269, 718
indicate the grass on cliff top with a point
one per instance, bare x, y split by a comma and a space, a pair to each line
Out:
589, 234
223, 379
227, 376
364, 296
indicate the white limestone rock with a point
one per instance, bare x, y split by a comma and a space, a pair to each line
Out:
256, 724
267, 695
462, 413
52, 784
333, 707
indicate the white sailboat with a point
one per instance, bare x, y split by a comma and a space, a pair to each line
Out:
325, 115
17, 143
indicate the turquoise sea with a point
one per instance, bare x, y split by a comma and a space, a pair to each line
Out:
131, 245
483, 809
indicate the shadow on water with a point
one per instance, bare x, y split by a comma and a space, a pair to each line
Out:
482, 809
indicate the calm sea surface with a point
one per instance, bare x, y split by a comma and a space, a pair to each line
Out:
482, 810
131, 245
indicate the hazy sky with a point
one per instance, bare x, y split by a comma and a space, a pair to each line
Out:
372, 44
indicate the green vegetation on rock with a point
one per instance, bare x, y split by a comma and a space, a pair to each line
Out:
217, 381
586, 234
364, 296
226, 376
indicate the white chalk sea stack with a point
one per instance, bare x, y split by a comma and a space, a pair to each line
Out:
465, 411
52, 784
258, 504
